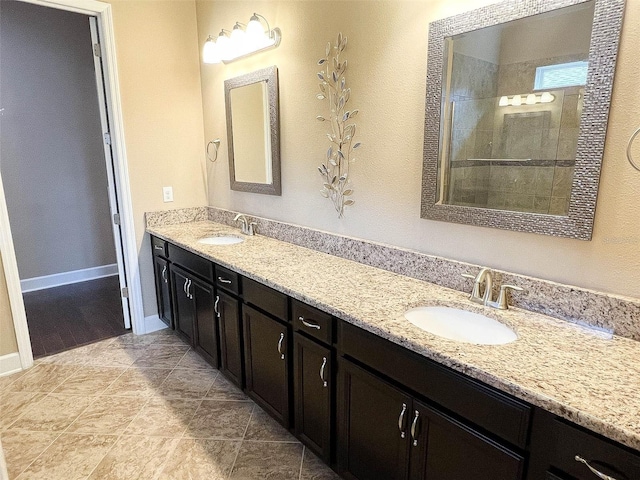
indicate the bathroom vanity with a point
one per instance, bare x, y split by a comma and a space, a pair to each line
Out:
321, 344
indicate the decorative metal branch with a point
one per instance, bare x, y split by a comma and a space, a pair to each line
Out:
335, 170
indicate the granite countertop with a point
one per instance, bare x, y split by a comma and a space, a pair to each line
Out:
583, 375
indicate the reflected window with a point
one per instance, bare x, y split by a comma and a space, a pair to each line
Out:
561, 75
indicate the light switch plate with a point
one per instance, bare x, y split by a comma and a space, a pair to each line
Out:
167, 194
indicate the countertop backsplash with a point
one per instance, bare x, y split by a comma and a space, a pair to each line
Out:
613, 313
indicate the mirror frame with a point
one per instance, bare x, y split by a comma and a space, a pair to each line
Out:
270, 76
603, 49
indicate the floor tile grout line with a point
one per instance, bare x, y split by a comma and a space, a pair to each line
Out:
233, 465
40, 454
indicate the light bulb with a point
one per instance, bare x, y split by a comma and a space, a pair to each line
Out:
504, 101
516, 101
210, 51
531, 99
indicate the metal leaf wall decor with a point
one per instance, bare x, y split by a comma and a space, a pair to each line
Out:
333, 88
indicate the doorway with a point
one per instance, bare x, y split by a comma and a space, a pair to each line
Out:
63, 199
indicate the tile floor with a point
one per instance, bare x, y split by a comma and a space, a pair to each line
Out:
143, 407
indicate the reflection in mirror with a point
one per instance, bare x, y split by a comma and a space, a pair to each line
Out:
518, 97
252, 132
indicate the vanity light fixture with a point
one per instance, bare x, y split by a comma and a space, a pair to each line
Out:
529, 99
243, 40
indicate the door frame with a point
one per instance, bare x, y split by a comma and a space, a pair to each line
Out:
102, 11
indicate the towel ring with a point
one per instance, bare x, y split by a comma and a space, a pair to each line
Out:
216, 144
629, 156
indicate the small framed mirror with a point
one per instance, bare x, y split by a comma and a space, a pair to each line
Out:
253, 131
518, 97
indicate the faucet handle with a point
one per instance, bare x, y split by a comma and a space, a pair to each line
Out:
252, 228
502, 303
468, 275
475, 292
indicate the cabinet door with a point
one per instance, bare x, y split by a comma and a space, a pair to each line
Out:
206, 340
266, 362
312, 367
444, 449
184, 314
228, 310
163, 290
373, 423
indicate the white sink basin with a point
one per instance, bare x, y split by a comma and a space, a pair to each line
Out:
221, 240
460, 325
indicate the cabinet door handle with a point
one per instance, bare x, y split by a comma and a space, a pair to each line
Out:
597, 473
280, 346
164, 274
307, 324
324, 364
414, 428
224, 280
215, 306
189, 290
401, 420
184, 287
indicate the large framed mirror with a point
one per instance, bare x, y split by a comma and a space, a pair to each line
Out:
518, 97
253, 131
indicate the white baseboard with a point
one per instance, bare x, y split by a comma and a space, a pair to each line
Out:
152, 323
9, 364
66, 278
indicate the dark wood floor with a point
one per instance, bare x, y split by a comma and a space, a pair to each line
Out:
65, 317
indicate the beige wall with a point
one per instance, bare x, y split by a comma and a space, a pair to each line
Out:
387, 72
159, 71
7, 332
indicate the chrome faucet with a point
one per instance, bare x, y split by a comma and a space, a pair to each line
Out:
246, 227
485, 275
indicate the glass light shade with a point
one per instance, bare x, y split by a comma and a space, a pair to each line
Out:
210, 51
547, 97
238, 42
531, 99
516, 101
504, 101
255, 32
223, 44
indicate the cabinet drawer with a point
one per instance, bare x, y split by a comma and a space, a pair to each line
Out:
312, 321
158, 247
227, 279
486, 407
266, 299
192, 262
602, 454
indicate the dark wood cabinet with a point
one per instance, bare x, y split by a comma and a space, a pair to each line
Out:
195, 317
266, 350
313, 389
228, 311
184, 313
163, 290
373, 422
385, 433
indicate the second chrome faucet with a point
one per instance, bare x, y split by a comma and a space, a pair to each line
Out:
485, 277
246, 227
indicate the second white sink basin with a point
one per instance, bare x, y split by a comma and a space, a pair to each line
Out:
221, 240
460, 325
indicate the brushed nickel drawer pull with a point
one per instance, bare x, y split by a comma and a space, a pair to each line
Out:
593, 470
401, 420
414, 427
307, 324
280, 346
324, 364
224, 280
158, 247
